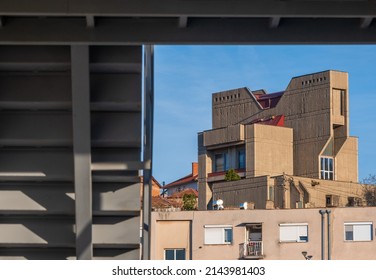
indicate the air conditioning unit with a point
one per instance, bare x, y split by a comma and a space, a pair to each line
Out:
332, 200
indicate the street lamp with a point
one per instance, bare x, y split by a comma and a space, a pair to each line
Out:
304, 253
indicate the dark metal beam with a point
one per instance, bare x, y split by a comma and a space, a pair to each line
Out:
82, 151
137, 31
148, 148
191, 8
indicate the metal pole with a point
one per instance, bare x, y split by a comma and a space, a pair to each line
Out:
322, 212
328, 222
148, 148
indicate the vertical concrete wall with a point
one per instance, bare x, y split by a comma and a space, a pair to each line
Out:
251, 190
269, 150
37, 192
204, 167
347, 161
181, 239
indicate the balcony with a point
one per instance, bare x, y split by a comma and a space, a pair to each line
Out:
220, 175
252, 250
223, 136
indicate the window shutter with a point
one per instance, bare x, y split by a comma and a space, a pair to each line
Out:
288, 233
214, 235
362, 232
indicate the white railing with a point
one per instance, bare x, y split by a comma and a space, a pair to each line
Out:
251, 249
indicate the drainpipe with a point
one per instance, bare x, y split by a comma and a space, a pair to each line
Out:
328, 222
322, 212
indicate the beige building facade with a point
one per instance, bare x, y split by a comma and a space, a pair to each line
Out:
264, 234
301, 132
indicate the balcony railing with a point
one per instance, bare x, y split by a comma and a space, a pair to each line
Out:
251, 250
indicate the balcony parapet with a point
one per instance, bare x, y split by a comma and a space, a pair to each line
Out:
222, 136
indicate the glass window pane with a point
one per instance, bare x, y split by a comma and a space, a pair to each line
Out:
180, 254
241, 159
228, 235
219, 162
169, 255
330, 164
226, 162
322, 165
349, 234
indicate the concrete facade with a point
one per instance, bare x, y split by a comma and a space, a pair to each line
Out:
302, 131
186, 230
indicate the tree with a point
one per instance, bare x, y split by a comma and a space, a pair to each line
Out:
369, 190
231, 175
189, 202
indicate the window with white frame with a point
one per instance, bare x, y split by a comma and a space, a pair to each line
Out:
293, 232
174, 254
327, 168
358, 231
218, 234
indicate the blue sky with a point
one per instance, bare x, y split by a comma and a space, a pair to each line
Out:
186, 77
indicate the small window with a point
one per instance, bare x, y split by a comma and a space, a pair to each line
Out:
293, 232
218, 234
174, 254
358, 231
327, 168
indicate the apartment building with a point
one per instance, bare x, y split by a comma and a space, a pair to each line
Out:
285, 234
291, 149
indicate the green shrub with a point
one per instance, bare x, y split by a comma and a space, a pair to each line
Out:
231, 175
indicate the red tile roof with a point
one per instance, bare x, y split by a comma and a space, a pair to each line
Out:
273, 120
183, 192
187, 179
269, 100
161, 202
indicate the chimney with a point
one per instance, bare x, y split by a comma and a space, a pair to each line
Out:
194, 168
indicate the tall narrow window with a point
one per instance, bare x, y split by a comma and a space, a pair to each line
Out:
342, 102
327, 168
220, 162
241, 159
